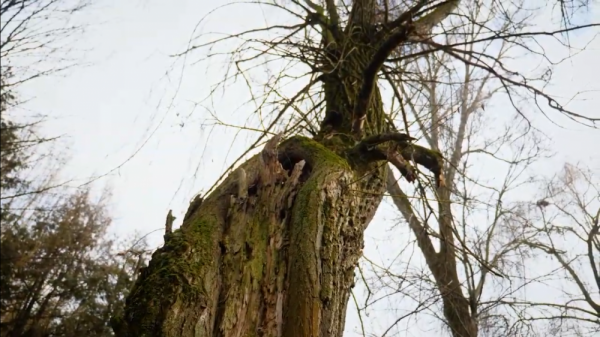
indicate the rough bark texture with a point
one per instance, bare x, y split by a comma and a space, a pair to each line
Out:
272, 251
278, 262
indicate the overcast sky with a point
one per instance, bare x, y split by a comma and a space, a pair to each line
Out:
121, 119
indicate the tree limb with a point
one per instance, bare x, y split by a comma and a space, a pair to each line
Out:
401, 201
421, 28
367, 150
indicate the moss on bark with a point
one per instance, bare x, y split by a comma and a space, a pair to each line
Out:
278, 262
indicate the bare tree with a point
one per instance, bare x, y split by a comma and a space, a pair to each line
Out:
565, 237
36, 36
272, 249
60, 273
444, 104
35, 41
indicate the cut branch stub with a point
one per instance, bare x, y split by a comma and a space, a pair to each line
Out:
169, 223
242, 181
296, 172
193, 207
430, 159
396, 159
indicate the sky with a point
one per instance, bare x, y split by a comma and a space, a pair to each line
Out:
130, 117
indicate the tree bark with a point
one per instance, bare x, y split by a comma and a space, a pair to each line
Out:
278, 262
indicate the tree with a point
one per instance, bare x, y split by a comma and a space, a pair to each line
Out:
565, 225
490, 169
443, 101
60, 274
34, 42
272, 249
11, 160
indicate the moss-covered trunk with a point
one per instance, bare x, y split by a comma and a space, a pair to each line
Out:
278, 261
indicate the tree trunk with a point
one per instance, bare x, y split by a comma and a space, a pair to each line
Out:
277, 262
272, 251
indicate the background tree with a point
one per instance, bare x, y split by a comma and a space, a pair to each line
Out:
564, 230
35, 38
443, 102
272, 249
60, 274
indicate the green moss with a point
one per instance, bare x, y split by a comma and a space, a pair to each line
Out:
173, 271
316, 154
182, 269
259, 237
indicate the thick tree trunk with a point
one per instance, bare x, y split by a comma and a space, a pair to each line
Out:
277, 262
